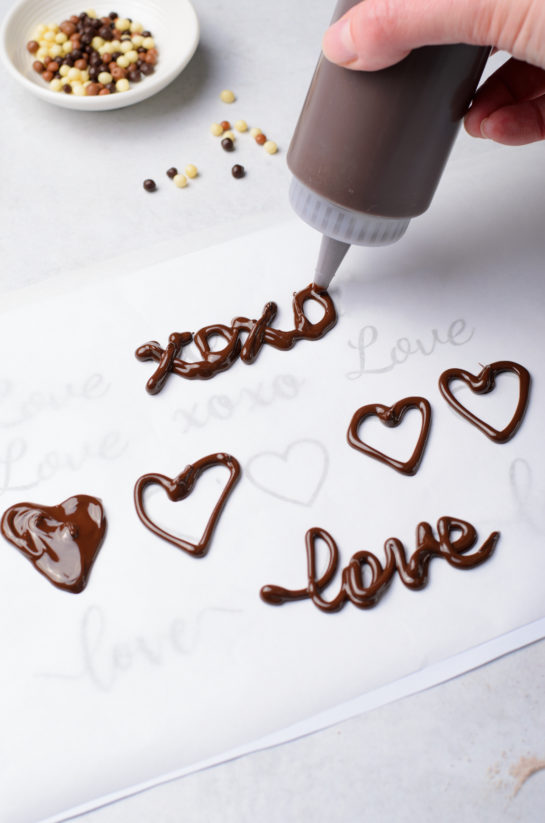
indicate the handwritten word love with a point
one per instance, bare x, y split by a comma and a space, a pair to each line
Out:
258, 332
457, 334
413, 572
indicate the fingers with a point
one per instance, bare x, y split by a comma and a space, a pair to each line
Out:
377, 33
513, 91
515, 125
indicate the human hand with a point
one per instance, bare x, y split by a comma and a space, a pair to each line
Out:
510, 106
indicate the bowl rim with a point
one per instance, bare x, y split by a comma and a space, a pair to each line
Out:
149, 87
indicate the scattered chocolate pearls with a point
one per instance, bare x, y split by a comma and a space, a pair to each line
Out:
150, 185
172, 172
93, 55
180, 180
227, 144
191, 170
227, 96
238, 171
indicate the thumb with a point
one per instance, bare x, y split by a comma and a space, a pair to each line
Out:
377, 33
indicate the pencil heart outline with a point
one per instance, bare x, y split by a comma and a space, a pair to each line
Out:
392, 416
483, 383
180, 487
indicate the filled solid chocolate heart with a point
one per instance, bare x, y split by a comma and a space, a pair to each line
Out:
62, 541
180, 487
483, 383
392, 416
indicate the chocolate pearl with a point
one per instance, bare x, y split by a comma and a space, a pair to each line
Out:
225, 124
134, 76
93, 73
76, 54
67, 88
92, 89
238, 171
81, 64
83, 15
47, 76
141, 49
149, 185
172, 172
106, 33
106, 59
260, 139
67, 27
47, 60
103, 91
147, 69
115, 55
113, 15
68, 61
57, 75
74, 19
146, 34
32, 46
86, 39
53, 66
111, 87
118, 73
38, 66
96, 24
151, 59
227, 144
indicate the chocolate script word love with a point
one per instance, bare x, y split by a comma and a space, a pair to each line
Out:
455, 538
258, 332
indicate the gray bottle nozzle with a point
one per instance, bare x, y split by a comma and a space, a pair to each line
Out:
341, 228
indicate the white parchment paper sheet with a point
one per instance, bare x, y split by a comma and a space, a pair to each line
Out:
164, 660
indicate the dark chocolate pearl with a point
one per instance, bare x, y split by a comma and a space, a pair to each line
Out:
134, 76
141, 49
86, 39
172, 172
111, 87
106, 33
93, 73
113, 15
147, 68
76, 54
146, 34
115, 55
149, 185
238, 171
69, 60
83, 15
227, 144
67, 88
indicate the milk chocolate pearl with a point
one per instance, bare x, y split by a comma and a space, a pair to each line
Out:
104, 91
92, 89
118, 73
47, 76
32, 46
38, 66
53, 66
149, 185
225, 124
238, 171
260, 139
68, 28
81, 64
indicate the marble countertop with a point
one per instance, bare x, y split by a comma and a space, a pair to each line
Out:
72, 196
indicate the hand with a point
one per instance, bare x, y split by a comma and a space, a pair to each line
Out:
510, 106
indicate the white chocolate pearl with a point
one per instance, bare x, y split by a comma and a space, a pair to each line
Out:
126, 45
241, 125
78, 89
52, 27
61, 38
230, 134
216, 129
73, 74
122, 24
40, 30
132, 55
270, 147
91, 13
136, 26
67, 47
105, 77
123, 61
227, 96
97, 42
55, 50
255, 131
85, 77
137, 40
180, 180
148, 43
49, 36
64, 69
122, 85
116, 45
41, 53
191, 170
55, 84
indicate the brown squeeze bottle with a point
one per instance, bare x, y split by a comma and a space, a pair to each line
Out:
369, 147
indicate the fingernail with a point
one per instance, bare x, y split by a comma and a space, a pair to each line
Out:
338, 45
484, 127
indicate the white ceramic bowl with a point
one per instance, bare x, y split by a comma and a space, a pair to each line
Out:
173, 24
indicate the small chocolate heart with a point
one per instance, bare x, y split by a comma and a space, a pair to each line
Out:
483, 383
180, 487
392, 416
62, 541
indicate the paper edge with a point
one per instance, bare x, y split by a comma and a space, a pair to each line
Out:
414, 683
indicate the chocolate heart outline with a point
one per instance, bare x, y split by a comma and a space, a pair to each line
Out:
392, 416
85, 519
180, 487
483, 383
